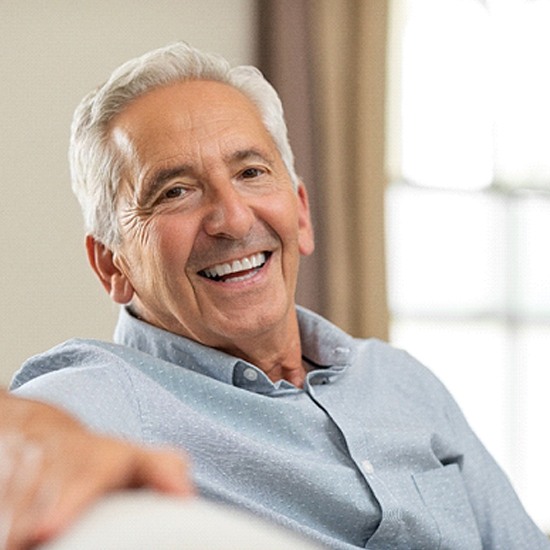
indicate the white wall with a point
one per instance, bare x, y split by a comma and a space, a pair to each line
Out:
52, 53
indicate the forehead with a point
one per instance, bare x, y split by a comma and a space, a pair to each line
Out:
188, 117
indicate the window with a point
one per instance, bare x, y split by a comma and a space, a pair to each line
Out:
468, 213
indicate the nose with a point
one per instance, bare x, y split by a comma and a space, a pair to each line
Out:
228, 214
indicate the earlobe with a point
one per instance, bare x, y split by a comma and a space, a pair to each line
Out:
103, 263
306, 238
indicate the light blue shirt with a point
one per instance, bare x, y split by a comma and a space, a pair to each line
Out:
372, 453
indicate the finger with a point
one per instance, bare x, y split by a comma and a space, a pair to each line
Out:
21, 465
166, 471
116, 465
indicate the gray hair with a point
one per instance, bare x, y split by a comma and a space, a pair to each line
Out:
96, 166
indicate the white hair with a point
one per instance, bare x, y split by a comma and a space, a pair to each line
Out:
96, 165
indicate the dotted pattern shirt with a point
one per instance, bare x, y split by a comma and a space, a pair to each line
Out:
372, 453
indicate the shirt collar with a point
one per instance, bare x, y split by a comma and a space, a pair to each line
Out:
323, 346
167, 346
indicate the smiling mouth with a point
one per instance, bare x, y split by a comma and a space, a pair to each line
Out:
238, 270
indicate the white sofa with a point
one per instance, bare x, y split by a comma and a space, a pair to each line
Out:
143, 520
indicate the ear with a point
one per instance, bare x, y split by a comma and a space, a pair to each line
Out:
306, 240
112, 278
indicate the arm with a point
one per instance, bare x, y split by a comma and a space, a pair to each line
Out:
51, 467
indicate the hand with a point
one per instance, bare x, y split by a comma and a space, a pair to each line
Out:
51, 467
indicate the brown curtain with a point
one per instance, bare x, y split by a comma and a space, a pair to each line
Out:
327, 59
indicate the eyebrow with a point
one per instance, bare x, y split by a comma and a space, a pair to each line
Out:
248, 154
157, 179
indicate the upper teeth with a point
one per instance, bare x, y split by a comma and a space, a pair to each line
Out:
250, 262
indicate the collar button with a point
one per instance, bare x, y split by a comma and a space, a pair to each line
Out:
250, 374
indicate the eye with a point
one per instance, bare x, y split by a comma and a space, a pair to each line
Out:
251, 173
174, 192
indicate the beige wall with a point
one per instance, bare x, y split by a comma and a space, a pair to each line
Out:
52, 53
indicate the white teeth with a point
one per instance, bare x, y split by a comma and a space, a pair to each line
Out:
236, 266
251, 262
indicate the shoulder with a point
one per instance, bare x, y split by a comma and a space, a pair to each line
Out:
72, 354
385, 359
90, 379
394, 372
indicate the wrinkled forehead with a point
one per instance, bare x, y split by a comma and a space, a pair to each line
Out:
186, 105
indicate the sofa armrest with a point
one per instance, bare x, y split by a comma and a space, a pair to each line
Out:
141, 520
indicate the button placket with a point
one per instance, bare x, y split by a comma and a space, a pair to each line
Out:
368, 467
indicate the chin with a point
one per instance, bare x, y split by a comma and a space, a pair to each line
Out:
241, 324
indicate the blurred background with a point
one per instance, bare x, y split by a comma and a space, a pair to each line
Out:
420, 128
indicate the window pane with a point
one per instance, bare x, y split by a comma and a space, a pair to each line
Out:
533, 263
473, 111
446, 252
521, 107
447, 132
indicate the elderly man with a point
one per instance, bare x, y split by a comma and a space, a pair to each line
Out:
196, 222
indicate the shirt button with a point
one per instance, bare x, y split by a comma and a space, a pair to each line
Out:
368, 467
250, 374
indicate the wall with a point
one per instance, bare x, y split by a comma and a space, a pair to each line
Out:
53, 52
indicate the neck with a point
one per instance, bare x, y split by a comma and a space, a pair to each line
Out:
279, 357
287, 366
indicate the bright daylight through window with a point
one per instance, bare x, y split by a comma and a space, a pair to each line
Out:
468, 212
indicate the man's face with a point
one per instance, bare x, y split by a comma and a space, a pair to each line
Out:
211, 227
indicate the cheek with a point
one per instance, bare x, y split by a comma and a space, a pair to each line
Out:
170, 243
146, 244
282, 217
281, 214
